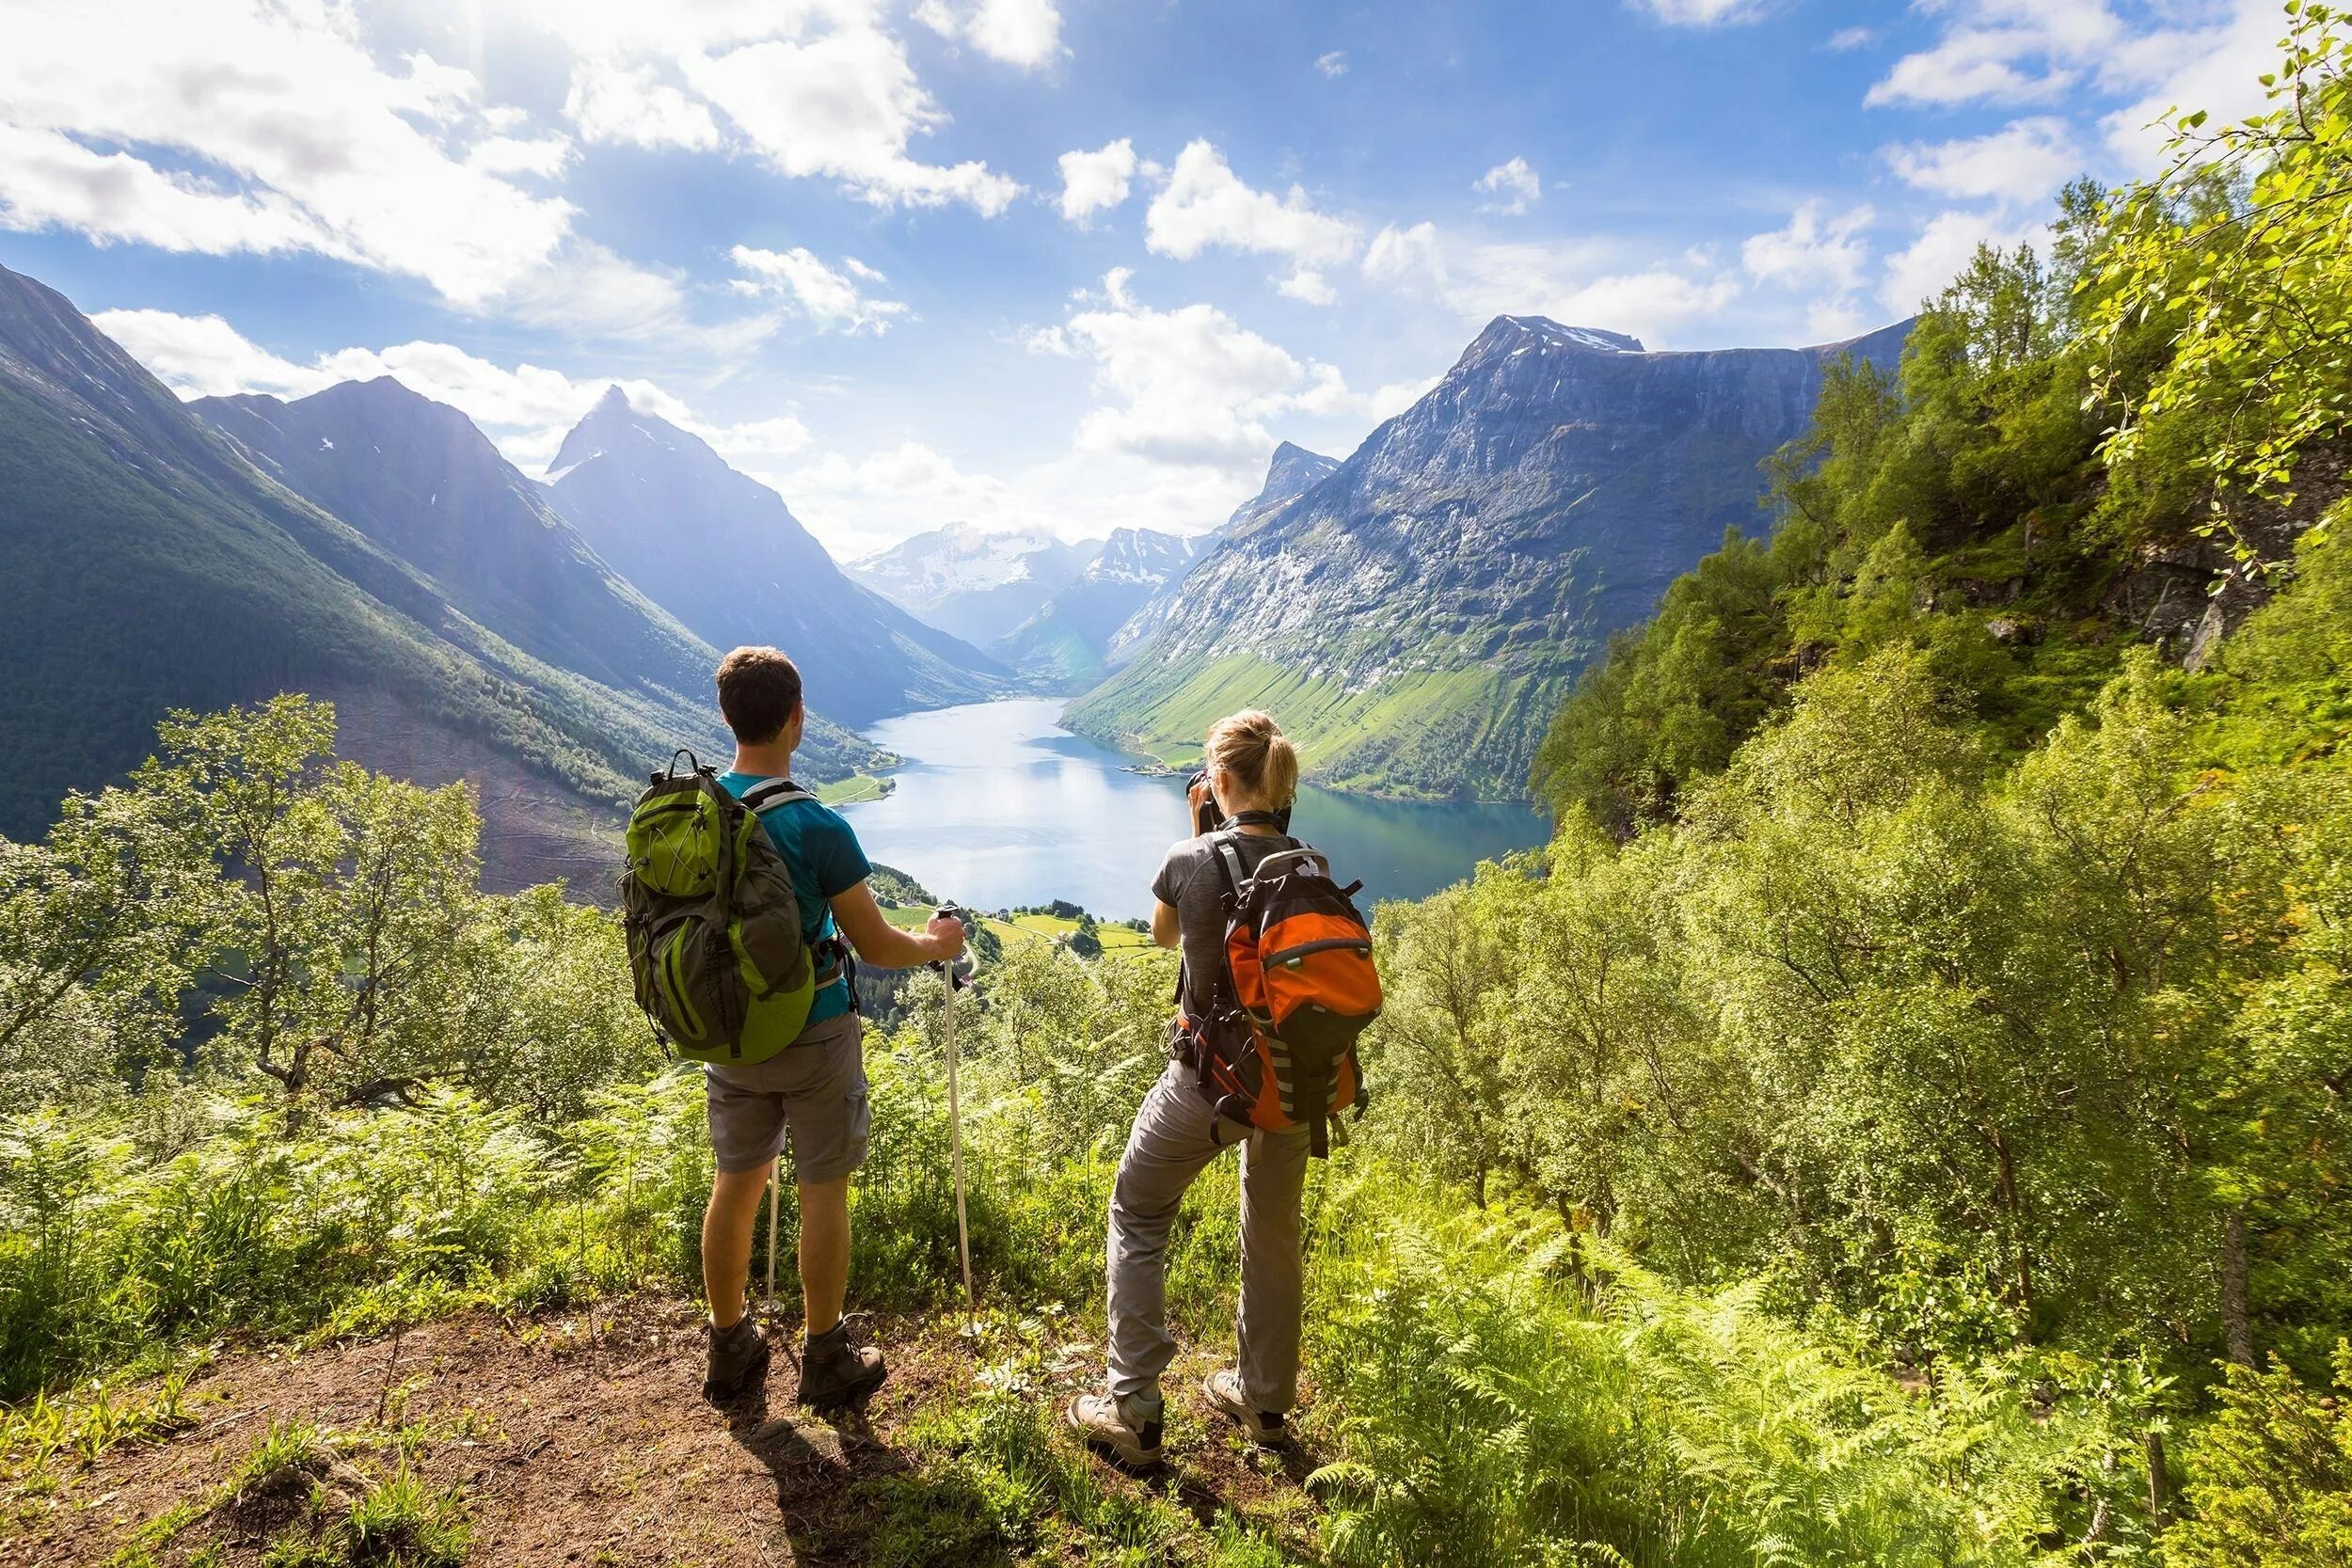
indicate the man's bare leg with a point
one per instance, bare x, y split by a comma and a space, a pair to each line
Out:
727, 1242
824, 1252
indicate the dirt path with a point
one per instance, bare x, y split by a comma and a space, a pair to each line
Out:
573, 1445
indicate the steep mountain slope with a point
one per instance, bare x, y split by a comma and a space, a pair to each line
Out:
1293, 471
723, 553
1065, 642
975, 583
146, 563
420, 479
1414, 616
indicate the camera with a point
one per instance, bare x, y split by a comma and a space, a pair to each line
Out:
1207, 818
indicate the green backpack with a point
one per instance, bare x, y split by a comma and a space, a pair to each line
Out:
713, 923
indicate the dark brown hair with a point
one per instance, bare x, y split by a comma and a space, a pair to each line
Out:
758, 691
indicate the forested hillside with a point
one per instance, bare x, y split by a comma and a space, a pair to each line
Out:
147, 563
1900, 1121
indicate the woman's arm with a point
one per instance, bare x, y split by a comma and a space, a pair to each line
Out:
1164, 931
884, 945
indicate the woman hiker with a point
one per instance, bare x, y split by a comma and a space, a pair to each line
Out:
1252, 774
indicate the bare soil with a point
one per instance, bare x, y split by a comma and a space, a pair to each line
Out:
584, 1438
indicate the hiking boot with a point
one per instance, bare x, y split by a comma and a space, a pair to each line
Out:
738, 1354
1266, 1427
1126, 1427
836, 1370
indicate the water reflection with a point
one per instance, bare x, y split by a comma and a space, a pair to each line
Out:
998, 805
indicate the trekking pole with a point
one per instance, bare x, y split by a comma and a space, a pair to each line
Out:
957, 981
775, 1190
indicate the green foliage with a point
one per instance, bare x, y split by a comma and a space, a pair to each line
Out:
2237, 252
2270, 1477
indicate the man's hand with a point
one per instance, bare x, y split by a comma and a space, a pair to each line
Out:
945, 934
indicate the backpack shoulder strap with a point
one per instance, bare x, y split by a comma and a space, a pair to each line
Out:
774, 792
1230, 860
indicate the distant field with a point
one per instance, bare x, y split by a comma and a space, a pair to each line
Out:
1028, 927
856, 787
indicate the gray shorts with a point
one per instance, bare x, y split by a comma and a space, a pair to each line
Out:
814, 1090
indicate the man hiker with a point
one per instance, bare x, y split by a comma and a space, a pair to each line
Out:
812, 1095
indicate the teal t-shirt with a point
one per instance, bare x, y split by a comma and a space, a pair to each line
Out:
826, 861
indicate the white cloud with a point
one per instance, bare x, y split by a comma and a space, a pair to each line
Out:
1582, 285
201, 357
2201, 56
1095, 181
859, 505
827, 297
1026, 33
1702, 13
2021, 163
631, 105
1308, 286
1386, 402
1205, 203
1812, 251
2216, 68
525, 409
1920, 271
542, 157
1333, 64
1515, 186
49, 181
844, 104
236, 126
1188, 387
816, 88
1847, 40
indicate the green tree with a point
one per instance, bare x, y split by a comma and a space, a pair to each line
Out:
2241, 251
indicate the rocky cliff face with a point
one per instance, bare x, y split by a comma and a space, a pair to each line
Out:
723, 553
1415, 615
1293, 471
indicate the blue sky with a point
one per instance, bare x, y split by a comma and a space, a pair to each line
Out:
1059, 264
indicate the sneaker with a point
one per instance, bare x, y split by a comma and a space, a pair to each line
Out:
1126, 1428
1266, 1427
836, 1370
738, 1354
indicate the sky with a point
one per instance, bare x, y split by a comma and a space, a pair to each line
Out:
1059, 264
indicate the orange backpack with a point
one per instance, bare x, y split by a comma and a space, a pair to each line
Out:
1278, 1051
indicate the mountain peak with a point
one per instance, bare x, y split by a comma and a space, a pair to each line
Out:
1509, 333
1293, 470
613, 422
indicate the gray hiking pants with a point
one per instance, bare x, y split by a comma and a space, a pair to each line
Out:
1176, 1136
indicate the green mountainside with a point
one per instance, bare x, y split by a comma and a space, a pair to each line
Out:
1410, 615
1959, 506
146, 563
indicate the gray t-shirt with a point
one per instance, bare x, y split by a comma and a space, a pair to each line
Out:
1191, 881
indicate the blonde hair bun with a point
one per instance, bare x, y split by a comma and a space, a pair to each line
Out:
1252, 747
